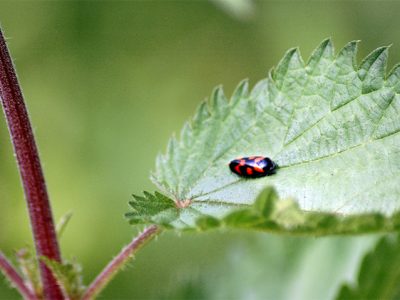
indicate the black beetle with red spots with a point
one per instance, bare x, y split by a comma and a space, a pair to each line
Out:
253, 166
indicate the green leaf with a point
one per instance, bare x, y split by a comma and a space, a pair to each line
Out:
268, 213
62, 223
68, 276
379, 275
282, 267
330, 125
156, 208
28, 266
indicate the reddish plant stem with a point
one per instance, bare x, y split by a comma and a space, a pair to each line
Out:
16, 280
119, 261
30, 170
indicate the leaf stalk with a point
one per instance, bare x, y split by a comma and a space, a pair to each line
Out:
119, 261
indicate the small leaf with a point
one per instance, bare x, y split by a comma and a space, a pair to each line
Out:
156, 208
379, 275
29, 269
68, 276
62, 223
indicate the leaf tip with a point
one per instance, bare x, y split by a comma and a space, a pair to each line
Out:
372, 69
218, 100
202, 113
291, 59
241, 91
347, 54
376, 57
326, 44
324, 50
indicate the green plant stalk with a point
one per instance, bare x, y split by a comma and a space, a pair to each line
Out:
15, 278
30, 170
119, 261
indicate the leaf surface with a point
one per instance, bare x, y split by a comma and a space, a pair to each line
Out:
330, 125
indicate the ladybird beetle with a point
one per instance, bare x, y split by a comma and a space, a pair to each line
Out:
253, 166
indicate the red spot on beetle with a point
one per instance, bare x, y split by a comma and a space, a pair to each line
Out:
237, 169
253, 166
258, 169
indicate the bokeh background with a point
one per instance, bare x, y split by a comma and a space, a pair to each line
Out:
107, 83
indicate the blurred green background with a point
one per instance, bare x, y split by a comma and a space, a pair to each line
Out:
108, 82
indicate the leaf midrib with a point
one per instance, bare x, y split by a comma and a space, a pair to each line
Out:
257, 120
370, 141
284, 146
365, 143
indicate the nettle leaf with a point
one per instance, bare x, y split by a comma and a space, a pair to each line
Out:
379, 274
330, 125
156, 208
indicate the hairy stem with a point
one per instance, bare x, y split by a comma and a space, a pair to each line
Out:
30, 170
119, 261
15, 279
